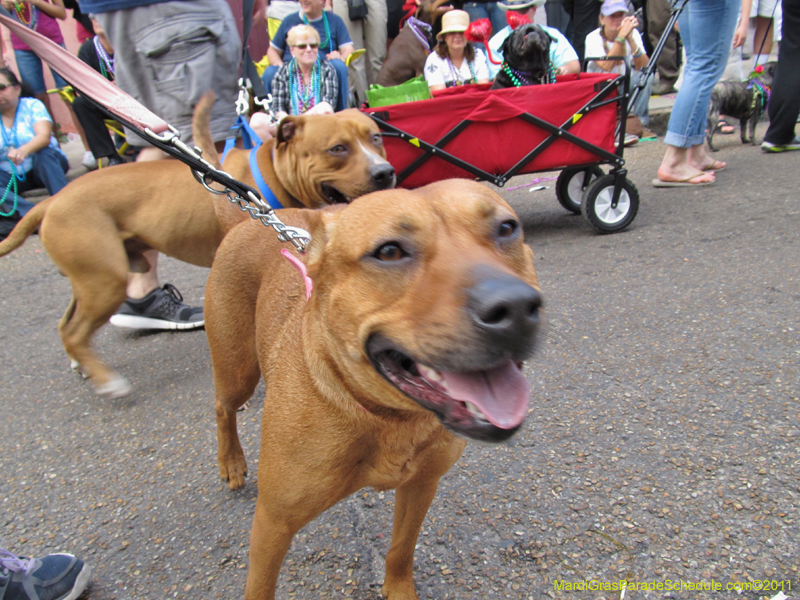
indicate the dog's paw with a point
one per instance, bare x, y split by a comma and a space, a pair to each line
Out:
116, 387
399, 591
80, 370
233, 472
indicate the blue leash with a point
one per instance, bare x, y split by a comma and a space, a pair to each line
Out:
252, 143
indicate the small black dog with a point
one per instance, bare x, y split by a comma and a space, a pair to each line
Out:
526, 58
735, 99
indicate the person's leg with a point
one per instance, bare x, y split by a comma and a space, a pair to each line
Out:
50, 168
341, 74
61, 83
658, 14
557, 17
171, 83
375, 39
762, 40
584, 21
92, 121
356, 31
641, 108
707, 30
784, 103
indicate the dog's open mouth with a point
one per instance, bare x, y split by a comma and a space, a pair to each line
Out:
488, 405
333, 195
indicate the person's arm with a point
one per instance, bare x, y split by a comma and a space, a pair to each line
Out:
54, 9
41, 139
275, 58
639, 57
481, 67
277, 46
341, 37
571, 66
740, 35
280, 92
434, 74
330, 91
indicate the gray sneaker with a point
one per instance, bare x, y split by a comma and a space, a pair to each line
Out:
51, 577
774, 148
163, 308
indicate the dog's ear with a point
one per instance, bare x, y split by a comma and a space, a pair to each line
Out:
288, 129
321, 223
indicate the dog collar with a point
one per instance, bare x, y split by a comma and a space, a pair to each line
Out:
268, 195
416, 26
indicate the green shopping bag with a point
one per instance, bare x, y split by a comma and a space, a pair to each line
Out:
413, 89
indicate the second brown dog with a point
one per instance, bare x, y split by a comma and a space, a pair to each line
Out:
96, 229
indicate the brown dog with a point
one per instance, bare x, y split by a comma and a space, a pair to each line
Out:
424, 306
97, 227
405, 57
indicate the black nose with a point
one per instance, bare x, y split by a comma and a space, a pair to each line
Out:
505, 309
382, 176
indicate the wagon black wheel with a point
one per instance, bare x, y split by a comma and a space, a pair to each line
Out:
597, 204
572, 183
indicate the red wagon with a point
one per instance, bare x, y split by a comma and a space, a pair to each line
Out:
493, 135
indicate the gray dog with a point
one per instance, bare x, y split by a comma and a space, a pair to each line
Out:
736, 99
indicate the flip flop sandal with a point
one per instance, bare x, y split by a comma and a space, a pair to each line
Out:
660, 183
725, 128
713, 166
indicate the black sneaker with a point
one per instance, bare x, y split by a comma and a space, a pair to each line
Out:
115, 159
51, 577
163, 308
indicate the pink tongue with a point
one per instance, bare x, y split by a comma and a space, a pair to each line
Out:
502, 394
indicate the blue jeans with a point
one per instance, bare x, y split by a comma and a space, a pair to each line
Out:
486, 10
49, 170
707, 31
31, 71
642, 106
341, 74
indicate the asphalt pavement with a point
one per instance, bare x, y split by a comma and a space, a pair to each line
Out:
661, 445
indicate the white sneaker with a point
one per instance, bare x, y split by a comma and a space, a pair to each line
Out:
88, 160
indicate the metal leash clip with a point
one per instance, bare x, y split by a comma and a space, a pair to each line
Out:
243, 101
251, 202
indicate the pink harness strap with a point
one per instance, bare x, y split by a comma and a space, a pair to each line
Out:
86, 80
300, 266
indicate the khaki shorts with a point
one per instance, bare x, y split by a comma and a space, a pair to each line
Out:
168, 55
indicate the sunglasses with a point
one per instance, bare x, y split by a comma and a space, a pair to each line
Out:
4, 86
304, 46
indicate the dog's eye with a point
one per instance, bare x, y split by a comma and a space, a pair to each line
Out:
377, 139
507, 228
338, 149
390, 252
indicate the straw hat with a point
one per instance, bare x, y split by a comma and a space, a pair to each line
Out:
520, 4
453, 21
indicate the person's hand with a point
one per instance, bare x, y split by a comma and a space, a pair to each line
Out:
8, 5
17, 155
334, 54
740, 35
627, 27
